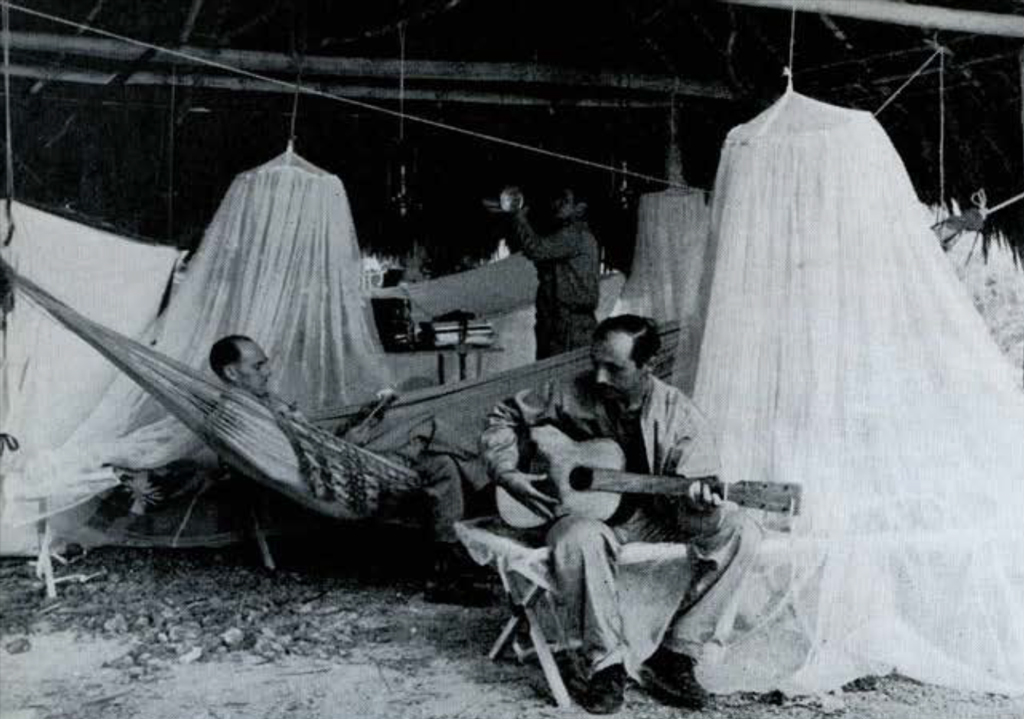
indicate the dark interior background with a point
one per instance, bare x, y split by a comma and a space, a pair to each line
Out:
155, 161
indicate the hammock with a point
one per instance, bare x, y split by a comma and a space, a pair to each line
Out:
291, 455
280, 450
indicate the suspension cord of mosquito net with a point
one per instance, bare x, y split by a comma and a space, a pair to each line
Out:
942, 127
9, 169
5, 301
8, 149
792, 46
938, 51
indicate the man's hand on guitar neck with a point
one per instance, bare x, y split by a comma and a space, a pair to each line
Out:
521, 486
705, 495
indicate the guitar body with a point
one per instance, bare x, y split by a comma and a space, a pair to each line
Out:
562, 455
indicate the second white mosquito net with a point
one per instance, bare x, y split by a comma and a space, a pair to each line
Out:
841, 352
670, 276
280, 263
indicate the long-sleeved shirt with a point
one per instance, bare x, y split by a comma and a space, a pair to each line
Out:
568, 265
676, 436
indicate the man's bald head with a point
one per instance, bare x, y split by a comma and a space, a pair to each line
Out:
240, 361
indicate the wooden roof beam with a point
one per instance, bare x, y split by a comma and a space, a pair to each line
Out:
362, 92
901, 13
462, 73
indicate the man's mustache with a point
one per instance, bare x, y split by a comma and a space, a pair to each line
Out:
607, 389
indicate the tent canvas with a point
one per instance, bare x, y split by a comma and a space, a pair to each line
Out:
50, 380
493, 289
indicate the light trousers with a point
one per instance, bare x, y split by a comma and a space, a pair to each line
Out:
687, 609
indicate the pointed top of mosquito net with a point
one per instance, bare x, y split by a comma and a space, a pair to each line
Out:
289, 159
793, 114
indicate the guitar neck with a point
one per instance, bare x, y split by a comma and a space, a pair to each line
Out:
769, 496
621, 482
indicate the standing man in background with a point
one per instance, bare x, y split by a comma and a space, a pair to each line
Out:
568, 269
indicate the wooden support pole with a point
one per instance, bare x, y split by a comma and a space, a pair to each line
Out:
512, 625
547, 660
44, 564
261, 538
902, 13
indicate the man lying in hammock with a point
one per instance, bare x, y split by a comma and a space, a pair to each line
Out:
446, 485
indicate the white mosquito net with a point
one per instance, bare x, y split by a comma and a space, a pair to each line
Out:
670, 276
280, 263
842, 352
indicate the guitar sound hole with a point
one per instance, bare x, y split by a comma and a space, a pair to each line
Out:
581, 478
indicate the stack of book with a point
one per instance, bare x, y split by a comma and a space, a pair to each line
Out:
479, 333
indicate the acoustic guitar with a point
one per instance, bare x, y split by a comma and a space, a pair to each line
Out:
588, 479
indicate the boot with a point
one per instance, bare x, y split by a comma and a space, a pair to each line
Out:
603, 693
669, 678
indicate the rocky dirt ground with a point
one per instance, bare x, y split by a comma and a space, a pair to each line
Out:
339, 630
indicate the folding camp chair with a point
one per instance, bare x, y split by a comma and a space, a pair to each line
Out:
525, 574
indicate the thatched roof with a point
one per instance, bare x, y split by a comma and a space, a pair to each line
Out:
593, 79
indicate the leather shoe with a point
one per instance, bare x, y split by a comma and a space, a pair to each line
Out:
669, 678
604, 693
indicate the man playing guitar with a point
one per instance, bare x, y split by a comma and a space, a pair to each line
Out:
660, 431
